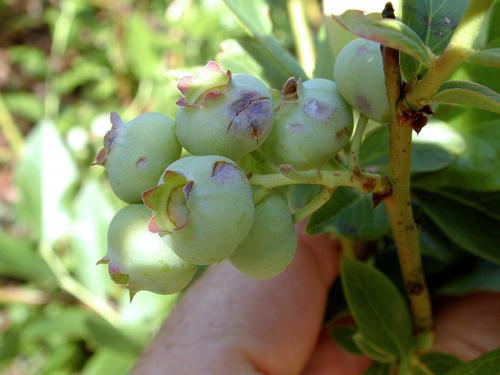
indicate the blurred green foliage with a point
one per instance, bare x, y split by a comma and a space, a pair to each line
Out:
65, 64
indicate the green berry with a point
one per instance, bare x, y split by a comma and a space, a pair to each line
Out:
135, 153
312, 124
270, 245
359, 73
205, 203
141, 260
223, 113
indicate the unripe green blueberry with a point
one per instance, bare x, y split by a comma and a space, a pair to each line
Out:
312, 124
141, 260
205, 203
359, 73
223, 113
135, 153
270, 245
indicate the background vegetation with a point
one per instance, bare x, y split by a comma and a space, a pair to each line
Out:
64, 65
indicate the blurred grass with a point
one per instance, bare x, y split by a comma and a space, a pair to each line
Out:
64, 65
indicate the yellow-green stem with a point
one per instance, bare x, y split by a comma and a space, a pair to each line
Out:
367, 182
398, 204
314, 204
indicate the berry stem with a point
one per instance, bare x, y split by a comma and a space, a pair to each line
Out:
368, 182
314, 204
356, 141
73, 287
457, 51
398, 204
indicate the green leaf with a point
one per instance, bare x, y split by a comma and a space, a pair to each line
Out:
93, 213
44, 176
426, 157
19, 259
372, 351
388, 32
142, 56
478, 167
24, 104
105, 335
467, 226
57, 325
343, 336
253, 15
487, 364
377, 306
106, 361
468, 94
479, 277
379, 369
351, 214
487, 57
434, 22
440, 363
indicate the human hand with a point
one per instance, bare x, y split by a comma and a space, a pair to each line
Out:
229, 324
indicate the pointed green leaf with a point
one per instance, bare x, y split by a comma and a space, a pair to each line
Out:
479, 277
378, 308
254, 17
351, 214
388, 32
478, 166
372, 351
343, 336
487, 57
426, 156
468, 94
44, 176
434, 22
93, 213
470, 228
439, 363
487, 364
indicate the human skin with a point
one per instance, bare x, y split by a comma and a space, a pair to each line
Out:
229, 324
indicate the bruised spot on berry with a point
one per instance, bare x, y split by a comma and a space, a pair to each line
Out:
362, 50
252, 116
141, 163
224, 172
317, 110
363, 105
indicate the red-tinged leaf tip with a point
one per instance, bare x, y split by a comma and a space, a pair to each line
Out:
101, 157
153, 226
184, 84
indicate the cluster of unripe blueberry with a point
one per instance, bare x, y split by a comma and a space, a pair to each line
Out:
200, 209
